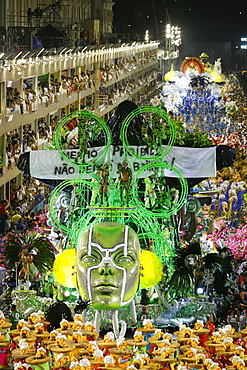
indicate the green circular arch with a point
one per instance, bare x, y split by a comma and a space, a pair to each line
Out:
69, 225
96, 124
182, 197
160, 151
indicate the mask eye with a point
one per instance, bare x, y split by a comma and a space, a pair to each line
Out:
88, 259
92, 259
121, 259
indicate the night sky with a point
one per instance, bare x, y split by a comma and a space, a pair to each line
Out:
199, 20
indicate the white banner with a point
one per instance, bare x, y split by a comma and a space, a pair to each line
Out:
192, 162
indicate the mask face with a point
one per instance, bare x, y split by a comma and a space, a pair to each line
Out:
108, 264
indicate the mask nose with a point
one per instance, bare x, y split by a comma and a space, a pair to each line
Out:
106, 267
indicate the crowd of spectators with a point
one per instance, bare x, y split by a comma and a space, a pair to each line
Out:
13, 148
124, 65
21, 222
110, 96
48, 92
30, 188
25, 209
29, 138
14, 99
43, 129
27, 103
15, 145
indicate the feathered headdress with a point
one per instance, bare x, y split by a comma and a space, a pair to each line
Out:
36, 245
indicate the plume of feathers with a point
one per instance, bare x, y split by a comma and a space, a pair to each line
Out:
187, 260
36, 244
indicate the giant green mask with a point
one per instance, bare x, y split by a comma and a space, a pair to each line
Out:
108, 263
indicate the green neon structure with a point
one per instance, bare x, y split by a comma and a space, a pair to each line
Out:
75, 203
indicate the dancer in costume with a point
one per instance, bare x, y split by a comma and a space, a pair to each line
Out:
125, 175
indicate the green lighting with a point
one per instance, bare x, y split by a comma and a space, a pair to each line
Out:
77, 203
89, 127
